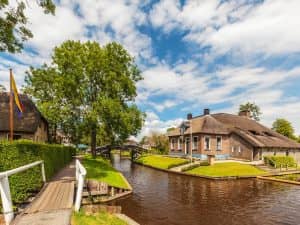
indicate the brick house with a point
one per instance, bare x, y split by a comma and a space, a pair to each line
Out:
230, 136
31, 125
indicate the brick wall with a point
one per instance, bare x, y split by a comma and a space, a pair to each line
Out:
240, 148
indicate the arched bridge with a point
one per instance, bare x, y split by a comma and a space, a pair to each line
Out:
136, 150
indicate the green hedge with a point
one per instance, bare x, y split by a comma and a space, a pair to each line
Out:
276, 161
20, 153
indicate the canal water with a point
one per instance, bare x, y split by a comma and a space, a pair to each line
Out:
160, 198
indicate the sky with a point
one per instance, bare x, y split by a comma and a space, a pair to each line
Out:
192, 54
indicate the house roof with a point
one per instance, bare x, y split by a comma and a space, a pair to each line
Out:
253, 132
28, 122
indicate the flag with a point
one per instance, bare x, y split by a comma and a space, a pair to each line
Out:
16, 96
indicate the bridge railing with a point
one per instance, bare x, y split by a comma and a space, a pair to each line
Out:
5, 189
80, 176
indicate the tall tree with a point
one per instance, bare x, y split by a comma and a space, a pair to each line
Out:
94, 88
13, 21
252, 108
284, 127
2, 88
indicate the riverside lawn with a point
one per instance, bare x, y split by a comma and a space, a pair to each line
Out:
227, 169
161, 162
100, 169
101, 218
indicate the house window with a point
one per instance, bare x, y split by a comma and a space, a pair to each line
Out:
195, 143
219, 143
232, 149
207, 143
240, 150
187, 145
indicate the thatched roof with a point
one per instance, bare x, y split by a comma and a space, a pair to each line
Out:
27, 123
253, 132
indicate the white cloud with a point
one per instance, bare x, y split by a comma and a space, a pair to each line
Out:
270, 27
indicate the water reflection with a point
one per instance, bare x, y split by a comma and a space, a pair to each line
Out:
168, 199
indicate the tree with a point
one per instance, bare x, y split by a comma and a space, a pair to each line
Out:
2, 88
284, 127
254, 110
160, 141
92, 91
13, 21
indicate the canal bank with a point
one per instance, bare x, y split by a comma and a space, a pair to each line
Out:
161, 198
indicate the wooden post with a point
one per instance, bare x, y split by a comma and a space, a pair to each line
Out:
11, 111
6, 200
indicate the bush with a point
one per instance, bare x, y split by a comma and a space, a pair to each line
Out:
20, 153
205, 163
277, 161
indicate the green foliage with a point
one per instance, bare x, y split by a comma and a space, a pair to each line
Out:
100, 169
160, 141
252, 108
22, 152
93, 87
2, 88
13, 21
101, 218
227, 169
277, 161
162, 162
284, 127
205, 163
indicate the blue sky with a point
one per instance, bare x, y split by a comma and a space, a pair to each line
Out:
193, 54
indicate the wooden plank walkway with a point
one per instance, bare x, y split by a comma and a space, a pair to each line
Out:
53, 205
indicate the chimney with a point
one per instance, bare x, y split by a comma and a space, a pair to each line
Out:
189, 116
245, 113
206, 112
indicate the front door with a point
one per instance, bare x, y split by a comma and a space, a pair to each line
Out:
187, 146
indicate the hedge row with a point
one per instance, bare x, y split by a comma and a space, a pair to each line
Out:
277, 161
20, 153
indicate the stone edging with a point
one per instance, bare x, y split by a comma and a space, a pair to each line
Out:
195, 175
126, 218
278, 180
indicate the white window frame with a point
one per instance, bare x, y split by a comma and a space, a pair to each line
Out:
232, 149
195, 144
239, 149
219, 149
207, 149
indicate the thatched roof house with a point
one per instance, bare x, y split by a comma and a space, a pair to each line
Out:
228, 135
31, 125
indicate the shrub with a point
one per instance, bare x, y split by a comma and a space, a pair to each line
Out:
205, 163
277, 161
20, 153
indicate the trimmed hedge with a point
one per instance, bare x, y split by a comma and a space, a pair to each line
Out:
276, 161
20, 153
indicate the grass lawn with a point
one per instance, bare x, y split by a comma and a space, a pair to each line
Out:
100, 169
227, 169
292, 177
125, 153
162, 162
100, 218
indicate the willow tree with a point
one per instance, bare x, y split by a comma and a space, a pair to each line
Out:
96, 86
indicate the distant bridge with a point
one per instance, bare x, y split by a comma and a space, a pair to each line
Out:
136, 150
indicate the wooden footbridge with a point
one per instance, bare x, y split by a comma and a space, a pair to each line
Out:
136, 150
54, 204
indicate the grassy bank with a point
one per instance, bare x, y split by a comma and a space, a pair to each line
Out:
100, 169
289, 177
101, 218
161, 162
227, 169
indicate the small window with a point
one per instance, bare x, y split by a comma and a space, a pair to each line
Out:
219, 143
253, 132
240, 150
232, 149
195, 143
207, 143
179, 144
